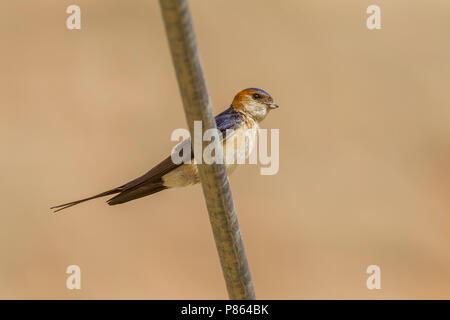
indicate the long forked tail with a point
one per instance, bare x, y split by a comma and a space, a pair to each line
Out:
130, 191
70, 204
145, 185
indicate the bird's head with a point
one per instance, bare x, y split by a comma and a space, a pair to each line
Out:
255, 103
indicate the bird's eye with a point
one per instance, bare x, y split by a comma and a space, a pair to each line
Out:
256, 96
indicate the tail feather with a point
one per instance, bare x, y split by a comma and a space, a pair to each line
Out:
145, 185
124, 195
136, 193
70, 204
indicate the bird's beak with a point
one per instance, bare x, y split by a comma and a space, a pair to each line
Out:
272, 105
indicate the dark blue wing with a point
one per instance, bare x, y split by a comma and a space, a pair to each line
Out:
229, 119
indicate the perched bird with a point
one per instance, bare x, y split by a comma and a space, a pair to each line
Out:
248, 109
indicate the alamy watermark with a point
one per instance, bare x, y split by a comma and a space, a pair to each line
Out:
374, 280
229, 147
73, 22
373, 22
74, 280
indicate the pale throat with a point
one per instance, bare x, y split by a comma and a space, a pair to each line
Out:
258, 112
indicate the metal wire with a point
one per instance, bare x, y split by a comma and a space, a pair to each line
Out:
216, 188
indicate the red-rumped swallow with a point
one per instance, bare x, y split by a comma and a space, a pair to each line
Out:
248, 109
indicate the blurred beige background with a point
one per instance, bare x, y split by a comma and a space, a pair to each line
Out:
365, 149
